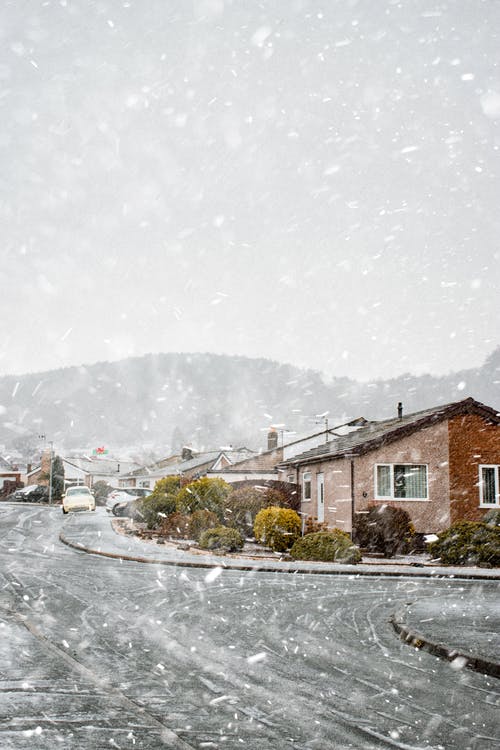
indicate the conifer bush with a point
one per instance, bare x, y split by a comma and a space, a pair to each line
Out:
221, 538
468, 543
160, 503
277, 528
152, 510
492, 517
204, 494
327, 546
200, 521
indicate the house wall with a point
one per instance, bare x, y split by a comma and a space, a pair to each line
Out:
473, 441
337, 489
428, 446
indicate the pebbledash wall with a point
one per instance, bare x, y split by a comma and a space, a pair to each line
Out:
429, 446
473, 442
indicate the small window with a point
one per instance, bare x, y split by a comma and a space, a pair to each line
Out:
306, 486
290, 478
401, 482
489, 491
383, 481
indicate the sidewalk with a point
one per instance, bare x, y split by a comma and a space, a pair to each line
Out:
449, 628
94, 533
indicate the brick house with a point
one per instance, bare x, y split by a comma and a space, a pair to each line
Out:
441, 465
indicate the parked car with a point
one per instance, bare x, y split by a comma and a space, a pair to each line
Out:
78, 498
33, 493
118, 500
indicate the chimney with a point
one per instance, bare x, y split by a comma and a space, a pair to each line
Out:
400, 410
272, 439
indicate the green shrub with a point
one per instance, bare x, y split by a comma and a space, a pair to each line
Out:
492, 517
385, 529
329, 546
167, 486
468, 543
200, 521
241, 507
223, 538
204, 494
277, 528
154, 509
159, 504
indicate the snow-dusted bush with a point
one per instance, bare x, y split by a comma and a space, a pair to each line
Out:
221, 538
328, 546
200, 521
468, 543
241, 507
176, 526
277, 528
492, 517
204, 494
385, 529
154, 509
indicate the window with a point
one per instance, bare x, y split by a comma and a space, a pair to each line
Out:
489, 490
401, 481
306, 486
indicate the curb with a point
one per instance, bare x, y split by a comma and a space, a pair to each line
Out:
233, 565
458, 659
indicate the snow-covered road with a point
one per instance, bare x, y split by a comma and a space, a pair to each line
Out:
98, 653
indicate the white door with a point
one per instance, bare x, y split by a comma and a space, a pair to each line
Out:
320, 497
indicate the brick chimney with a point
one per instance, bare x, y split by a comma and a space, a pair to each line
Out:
45, 462
272, 439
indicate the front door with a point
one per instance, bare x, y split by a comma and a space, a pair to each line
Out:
320, 497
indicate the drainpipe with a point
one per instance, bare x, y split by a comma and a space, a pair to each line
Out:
352, 497
351, 458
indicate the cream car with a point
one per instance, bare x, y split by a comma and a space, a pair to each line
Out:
78, 498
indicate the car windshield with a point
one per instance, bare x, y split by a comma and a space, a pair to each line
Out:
78, 491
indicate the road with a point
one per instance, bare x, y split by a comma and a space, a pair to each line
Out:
97, 653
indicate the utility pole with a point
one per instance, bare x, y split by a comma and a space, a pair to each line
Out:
50, 471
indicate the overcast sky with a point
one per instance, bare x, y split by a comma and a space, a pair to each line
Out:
314, 182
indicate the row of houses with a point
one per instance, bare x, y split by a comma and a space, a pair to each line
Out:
441, 465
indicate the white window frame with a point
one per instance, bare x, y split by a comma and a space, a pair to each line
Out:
307, 474
392, 495
495, 504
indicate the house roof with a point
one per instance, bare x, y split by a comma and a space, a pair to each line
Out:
375, 434
175, 464
100, 466
6, 465
265, 461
